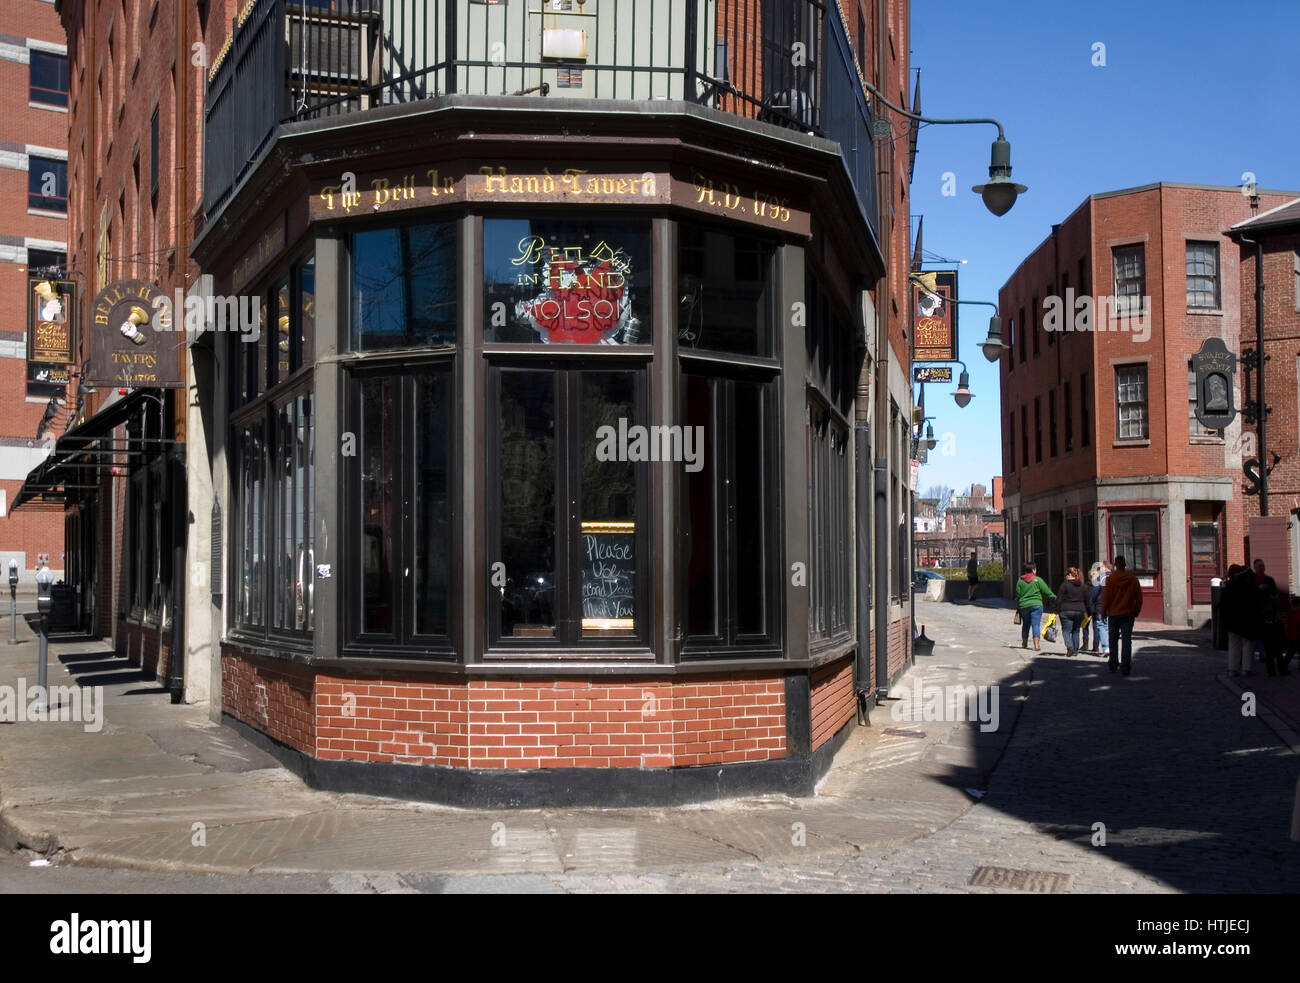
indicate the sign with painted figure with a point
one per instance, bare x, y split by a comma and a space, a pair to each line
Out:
934, 316
1214, 368
931, 374
133, 342
51, 314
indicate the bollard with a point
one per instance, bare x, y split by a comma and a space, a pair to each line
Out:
44, 603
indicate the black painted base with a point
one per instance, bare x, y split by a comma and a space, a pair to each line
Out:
473, 788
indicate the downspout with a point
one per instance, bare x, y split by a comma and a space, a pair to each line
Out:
880, 469
176, 454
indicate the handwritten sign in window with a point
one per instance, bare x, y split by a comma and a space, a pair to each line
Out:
608, 576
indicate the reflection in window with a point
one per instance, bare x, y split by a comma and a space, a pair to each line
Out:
433, 418
527, 503
607, 544
404, 286
725, 291
378, 466
562, 281
1136, 537
252, 525
306, 344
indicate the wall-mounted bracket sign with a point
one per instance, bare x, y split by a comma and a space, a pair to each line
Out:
934, 307
51, 313
133, 342
1214, 367
921, 373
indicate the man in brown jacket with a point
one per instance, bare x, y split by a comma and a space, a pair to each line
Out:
1121, 603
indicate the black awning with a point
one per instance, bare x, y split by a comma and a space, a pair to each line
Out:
48, 480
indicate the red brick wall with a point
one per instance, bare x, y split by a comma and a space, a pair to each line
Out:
490, 723
273, 697
833, 700
900, 646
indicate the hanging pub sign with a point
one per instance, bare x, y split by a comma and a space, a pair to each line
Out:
1214, 368
50, 317
47, 380
936, 373
133, 342
934, 309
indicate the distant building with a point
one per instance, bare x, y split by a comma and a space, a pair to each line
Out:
1102, 451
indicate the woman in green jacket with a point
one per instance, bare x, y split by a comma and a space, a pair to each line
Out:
1031, 589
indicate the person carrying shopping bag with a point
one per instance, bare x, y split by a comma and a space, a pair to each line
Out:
1031, 590
1074, 606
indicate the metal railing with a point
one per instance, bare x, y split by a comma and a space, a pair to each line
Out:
291, 60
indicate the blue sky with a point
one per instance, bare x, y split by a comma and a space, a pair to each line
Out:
1192, 91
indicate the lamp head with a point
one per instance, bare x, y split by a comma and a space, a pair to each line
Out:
963, 394
929, 436
992, 345
1001, 192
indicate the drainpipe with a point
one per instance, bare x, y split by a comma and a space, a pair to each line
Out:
862, 525
179, 499
880, 468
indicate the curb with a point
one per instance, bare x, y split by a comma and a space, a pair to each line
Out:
1276, 722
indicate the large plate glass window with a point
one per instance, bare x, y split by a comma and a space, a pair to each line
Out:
568, 464
566, 281
404, 286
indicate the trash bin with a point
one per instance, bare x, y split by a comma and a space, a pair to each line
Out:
63, 608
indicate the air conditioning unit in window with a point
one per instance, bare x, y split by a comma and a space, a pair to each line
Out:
332, 52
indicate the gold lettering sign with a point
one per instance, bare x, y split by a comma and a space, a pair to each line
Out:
50, 317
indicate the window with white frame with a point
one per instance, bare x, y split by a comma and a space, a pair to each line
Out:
1130, 278
1203, 274
1131, 402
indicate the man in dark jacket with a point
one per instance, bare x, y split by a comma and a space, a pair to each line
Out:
1240, 607
972, 577
1121, 602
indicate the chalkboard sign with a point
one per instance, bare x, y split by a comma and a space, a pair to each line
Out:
608, 576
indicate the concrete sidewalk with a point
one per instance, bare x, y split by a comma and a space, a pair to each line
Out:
160, 787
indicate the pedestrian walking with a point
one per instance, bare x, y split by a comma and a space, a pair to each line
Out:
1031, 590
1240, 609
1265, 641
1073, 606
1097, 575
1121, 603
972, 577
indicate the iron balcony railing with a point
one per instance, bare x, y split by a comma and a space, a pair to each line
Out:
291, 60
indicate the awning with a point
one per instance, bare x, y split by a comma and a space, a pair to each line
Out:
76, 458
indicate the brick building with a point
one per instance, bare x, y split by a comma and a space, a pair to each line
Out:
970, 522
433, 241
33, 241
1275, 233
1102, 453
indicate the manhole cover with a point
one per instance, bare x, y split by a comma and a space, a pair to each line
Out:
901, 732
1011, 879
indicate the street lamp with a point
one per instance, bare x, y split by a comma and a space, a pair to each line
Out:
1001, 192
963, 395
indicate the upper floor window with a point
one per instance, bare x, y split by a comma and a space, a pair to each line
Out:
404, 286
1203, 274
1131, 402
1130, 278
49, 79
566, 281
47, 184
726, 291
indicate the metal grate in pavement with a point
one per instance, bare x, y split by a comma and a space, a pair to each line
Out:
1012, 879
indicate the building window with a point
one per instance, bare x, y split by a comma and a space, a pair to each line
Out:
1088, 536
566, 281
1136, 537
1051, 422
1203, 274
153, 156
404, 286
291, 488
1038, 431
47, 184
1194, 426
1085, 413
728, 509
1067, 404
1131, 402
45, 261
400, 512
1051, 335
1296, 265
49, 79
1024, 435
1130, 279
1038, 326
1011, 441
1024, 331
1083, 275
725, 286
250, 528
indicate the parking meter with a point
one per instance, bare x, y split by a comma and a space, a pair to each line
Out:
44, 600
13, 578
